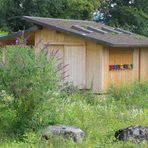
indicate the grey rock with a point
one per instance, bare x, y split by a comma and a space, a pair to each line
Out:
137, 133
66, 131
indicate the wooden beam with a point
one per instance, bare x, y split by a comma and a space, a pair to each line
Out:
64, 43
139, 65
4, 55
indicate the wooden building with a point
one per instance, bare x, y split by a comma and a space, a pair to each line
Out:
97, 55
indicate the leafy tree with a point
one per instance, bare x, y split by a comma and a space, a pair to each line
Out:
11, 11
128, 14
80, 9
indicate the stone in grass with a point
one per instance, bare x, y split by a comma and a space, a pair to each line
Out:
136, 133
66, 131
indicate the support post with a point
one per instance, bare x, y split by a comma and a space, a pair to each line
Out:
4, 55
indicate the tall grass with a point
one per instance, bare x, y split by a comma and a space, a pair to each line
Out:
135, 94
99, 120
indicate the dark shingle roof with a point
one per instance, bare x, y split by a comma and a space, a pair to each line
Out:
121, 38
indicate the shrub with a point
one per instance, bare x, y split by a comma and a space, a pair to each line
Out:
29, 80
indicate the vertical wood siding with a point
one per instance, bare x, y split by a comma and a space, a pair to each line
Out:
136, 65
75, 58
83, 58
88, 62
105, 69
144, 65
120, 56
94, 66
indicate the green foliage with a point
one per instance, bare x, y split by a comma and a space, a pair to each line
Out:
130, 15
27, 83
80, 9
11, 11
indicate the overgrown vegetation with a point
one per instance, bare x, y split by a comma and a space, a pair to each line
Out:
27, 82
31, 97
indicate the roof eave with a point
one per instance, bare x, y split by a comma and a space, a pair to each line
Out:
82, 35
129, 46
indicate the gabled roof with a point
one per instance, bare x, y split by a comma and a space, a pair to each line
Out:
90, 30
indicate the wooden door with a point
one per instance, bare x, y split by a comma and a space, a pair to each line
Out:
120, 57
75, 58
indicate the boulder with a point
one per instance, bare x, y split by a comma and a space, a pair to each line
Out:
66, 131
137, 133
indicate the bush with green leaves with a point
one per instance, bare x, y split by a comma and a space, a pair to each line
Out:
27, 84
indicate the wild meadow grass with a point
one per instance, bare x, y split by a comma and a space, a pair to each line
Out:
99, 119
25, 111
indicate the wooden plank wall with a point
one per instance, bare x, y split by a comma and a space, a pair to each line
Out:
136, 65
144, 64
75, 58
120, 56
83, 58
56, 38
89, 62
105, 69
94, 66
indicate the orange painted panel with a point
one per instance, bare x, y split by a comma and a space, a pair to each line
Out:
119, 56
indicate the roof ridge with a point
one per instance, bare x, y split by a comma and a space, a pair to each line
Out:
59, 19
